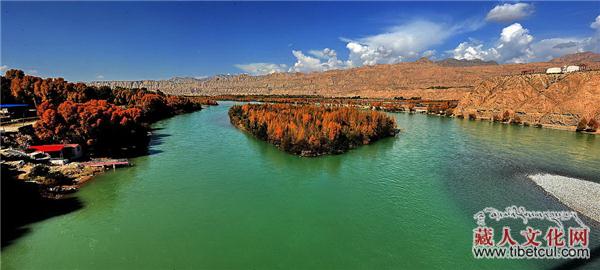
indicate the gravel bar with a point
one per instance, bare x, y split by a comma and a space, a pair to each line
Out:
579, 195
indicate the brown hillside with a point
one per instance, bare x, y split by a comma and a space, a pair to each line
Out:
576, 58
537, 98
485, 88
424, 79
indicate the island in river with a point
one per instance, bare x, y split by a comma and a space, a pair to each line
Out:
312, 130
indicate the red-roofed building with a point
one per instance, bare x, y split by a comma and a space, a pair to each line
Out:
66, 151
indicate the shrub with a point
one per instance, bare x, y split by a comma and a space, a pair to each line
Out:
506, 116
592, 125
581, 126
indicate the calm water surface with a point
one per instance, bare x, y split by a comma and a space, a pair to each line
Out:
212, 197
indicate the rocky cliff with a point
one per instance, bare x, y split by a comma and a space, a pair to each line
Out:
548, 99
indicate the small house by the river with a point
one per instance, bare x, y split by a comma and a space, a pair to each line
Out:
62, 151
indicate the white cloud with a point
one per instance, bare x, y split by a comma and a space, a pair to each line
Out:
513, 46
3, 68
262, 68
548, 49
596, 23
517, 45
428, 53
509, 12
100, 77
473, 50
368, 55
594, 41
400, 43
31, 71
323, 60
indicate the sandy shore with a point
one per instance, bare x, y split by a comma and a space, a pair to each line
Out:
579, 195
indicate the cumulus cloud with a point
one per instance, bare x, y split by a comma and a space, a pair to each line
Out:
596, 23
262, 68
400, 43
517, 45
322, 60
512, 46
3, 68
472, 50
509, 12
100, 77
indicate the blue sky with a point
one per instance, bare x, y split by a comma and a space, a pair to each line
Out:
84, 41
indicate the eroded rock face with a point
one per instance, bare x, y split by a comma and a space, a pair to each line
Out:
548, 99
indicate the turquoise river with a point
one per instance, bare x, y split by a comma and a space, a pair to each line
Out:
209, 196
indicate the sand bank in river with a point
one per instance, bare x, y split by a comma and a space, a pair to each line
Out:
579, 195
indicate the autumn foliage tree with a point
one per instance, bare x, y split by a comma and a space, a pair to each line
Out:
311, 130
582, 124
154, 105
590, 126
101, 118
593, 125
96, 124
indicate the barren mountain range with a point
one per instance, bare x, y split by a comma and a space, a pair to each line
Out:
481, 86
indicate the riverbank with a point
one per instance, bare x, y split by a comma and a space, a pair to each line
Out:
510, 121
579, 195
213, 197
53, 181
76, 122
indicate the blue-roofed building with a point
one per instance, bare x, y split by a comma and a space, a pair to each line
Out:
13, 105
12, 111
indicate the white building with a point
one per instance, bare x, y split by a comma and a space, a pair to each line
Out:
554, 70
564, 69
568, 69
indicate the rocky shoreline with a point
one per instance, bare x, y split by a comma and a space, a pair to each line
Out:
53, 181
525, 124
579, 195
